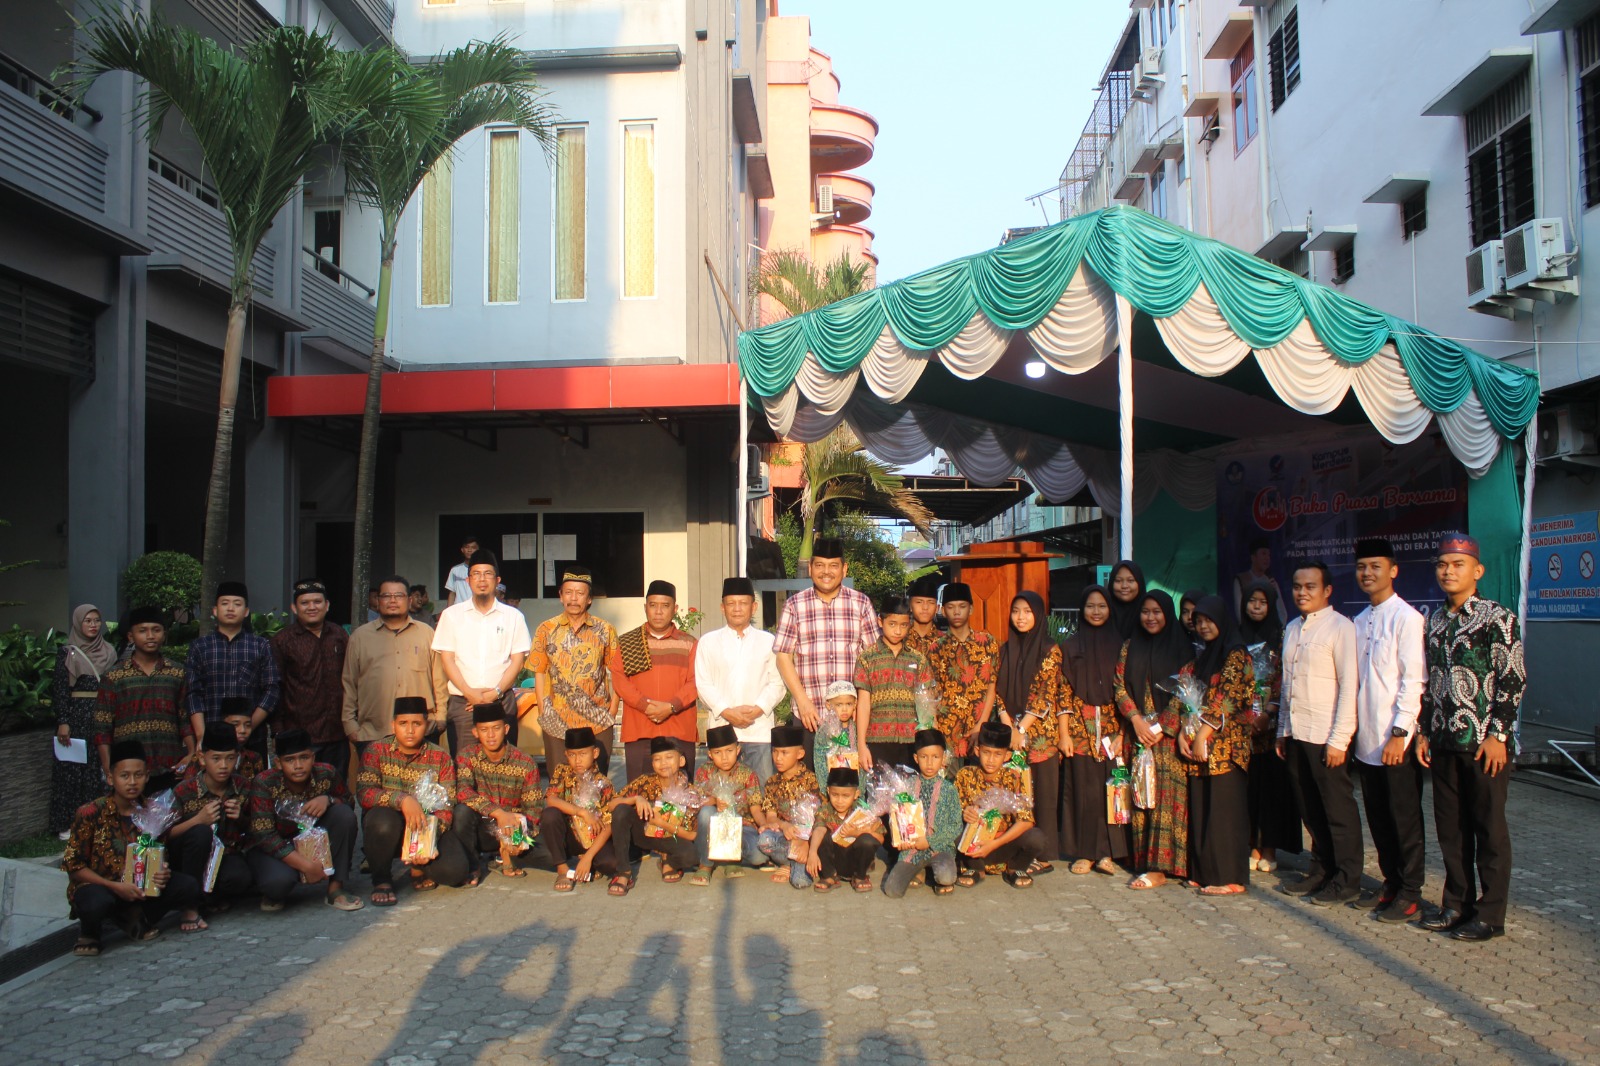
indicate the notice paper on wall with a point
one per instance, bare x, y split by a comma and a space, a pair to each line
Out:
529, 546
510, 548
563, 546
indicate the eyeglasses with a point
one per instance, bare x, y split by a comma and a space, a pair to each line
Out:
394, 595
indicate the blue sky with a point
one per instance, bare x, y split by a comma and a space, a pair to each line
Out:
978, 105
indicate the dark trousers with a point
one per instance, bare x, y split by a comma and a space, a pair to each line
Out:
561, 843
1047, 803
891, 753
478, 834
188, 853
276, 879
637, 753
1219, 828
555, 753
627, 831
458, 721
384, 830
94, 905
850, 862
1392, 796
1469, 815
1017, 855
1328, 804
336, 753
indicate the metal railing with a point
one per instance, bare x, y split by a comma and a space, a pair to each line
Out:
37, 87
336, 273
1110, 107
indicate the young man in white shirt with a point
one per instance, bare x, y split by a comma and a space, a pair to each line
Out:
482, 644
1390, 641
456, 589
736, 676
1316, 721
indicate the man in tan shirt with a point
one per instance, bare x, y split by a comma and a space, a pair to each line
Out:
385, 660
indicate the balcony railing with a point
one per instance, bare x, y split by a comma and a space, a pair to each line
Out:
37, 87
184, 219
1110, 108
40, 140
336, 306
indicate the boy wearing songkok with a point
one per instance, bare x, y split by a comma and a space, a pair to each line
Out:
726, 783
96, 850
392, 769
497, 794
634, 812
1018, 841
887, 677
214, 806
941, 806
842, 745
574, 780
831, 860
236, 713
315, 794
789, 786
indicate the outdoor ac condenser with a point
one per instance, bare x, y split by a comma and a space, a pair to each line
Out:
1486, 273
1568, 432
1537, 259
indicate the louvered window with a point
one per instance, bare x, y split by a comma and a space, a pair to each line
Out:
1283, 53
1500, 162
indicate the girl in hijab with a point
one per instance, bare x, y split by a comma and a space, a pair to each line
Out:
1186, 609
74, 688
1030, 693
1144, 697
1274, 810
1090, 724
1127, 589
1219, 754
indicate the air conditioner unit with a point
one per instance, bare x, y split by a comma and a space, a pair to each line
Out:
758, 476
1486, 273
1568, 432
1537, 259
1147, 72
824, 199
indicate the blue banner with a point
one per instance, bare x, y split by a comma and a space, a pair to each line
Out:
1562, 583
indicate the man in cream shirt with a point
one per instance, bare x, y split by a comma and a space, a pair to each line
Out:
736, 676
1316, 721
1394, 669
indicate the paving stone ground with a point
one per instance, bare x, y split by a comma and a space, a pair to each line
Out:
749, 971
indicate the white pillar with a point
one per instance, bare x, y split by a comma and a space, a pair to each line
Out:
1530, 444
1125, 414
741, 491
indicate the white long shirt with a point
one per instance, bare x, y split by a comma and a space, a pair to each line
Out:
483, 642
1318, 703
733, 669
1390, 651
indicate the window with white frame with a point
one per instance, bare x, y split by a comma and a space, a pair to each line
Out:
1589, 108
569, 232
638, 210
435, 243
1242, 75
1283, 50
505, 215
1500, 194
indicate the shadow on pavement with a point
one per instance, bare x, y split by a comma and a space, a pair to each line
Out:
745, 1023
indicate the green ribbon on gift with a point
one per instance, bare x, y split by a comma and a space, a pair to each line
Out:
902, 797
520, 839
143, 844
1120, 776
991, 818
1018, 760
670, 808
839, 740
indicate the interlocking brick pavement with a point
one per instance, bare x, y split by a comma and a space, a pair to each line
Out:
750, 971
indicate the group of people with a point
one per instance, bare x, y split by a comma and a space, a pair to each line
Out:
1184, 744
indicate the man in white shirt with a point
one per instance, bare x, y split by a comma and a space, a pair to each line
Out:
1316, 721
736, 676
481, 644
1390, 656
456, 589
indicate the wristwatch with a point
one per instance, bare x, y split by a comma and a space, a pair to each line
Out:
498, 692
1398, 732
1501, 737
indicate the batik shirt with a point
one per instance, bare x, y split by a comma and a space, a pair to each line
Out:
98, 841
650, 785
564, 785
134, 705
829, 819
1476, 675
741, 781
1048, 695
273, 833
510, 785
193, 793
891, 678
249, 767
781, 791
388, 775
924, 645
575, 662
1228, 697
964, 670
971, 784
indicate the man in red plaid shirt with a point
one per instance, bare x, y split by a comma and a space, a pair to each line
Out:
821, 632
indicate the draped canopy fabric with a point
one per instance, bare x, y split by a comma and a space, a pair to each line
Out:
1057, 289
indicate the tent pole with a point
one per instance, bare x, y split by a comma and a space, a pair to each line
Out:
1125, 418
1525, 552
741, 490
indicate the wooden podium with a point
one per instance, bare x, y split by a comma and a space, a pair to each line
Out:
996, 572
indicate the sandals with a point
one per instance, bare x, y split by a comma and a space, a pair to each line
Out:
1081, 866
1039, 866
382, 896
196, 924
1018, 878
620, 885
271, 906
669, 875
1106, 866
87, 947
1222, 890
701, 878
425, 884
344, 901
825, 884
780, 875
968, 878
1145, 882
861, 884
564, 883
510, 870
943, 890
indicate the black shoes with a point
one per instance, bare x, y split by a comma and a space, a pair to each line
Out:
1476, 931
1443, 921
1332, 894
1306, 886
1398, 912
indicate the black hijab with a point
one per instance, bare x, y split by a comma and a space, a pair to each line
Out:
1193, 596
1215, 653
1152, 660
1269, 630
1021, 656
1125, 616
1089, 656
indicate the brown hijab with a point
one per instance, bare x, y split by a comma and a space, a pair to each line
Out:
86, 656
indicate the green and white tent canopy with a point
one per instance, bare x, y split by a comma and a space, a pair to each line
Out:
938, 360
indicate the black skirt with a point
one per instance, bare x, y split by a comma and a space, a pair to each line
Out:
1219, 829
1085, 834
1274, 810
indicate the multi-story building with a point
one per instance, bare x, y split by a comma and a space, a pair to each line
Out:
1440, 163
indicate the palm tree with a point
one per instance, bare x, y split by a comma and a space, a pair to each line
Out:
797, 285
409, 118
837, 467
260, 116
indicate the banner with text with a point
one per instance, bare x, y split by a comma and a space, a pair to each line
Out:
1562, 584
1314, 502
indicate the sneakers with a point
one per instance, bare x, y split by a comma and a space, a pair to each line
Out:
1333, 894
1398, 912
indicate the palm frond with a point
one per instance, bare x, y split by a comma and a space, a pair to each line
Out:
838, 467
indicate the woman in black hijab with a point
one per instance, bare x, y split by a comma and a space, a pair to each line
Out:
1274, 808
1159, 649
1030, 694
1219, 755
1186, 609
1089, 665
1127, 589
